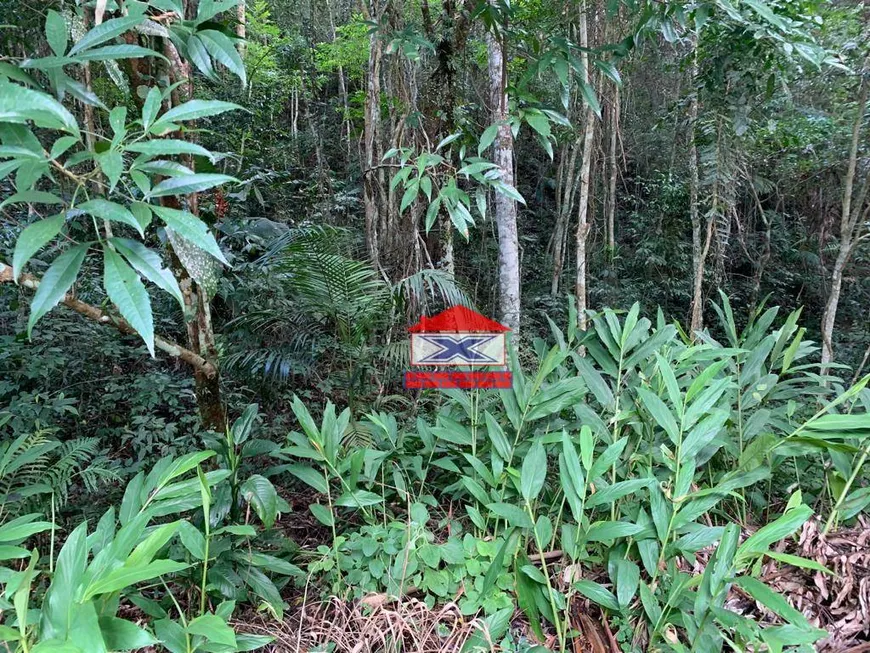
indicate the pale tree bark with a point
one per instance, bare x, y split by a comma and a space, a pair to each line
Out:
372, 172
850, 219
241, 27
342, 86
580, 289
699, 251
505, 207
614, 172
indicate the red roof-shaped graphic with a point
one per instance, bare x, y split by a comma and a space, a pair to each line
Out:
457, 319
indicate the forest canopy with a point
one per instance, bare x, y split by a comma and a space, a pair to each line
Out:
621, 247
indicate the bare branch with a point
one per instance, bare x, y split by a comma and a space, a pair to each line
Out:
98, 315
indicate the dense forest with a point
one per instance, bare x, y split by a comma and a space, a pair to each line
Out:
221, 220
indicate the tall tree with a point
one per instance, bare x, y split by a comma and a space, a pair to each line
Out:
585, 176
853, 215
505, 207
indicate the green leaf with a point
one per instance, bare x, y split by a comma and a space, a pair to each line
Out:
104, 32
57, 280
107, 210
785, 525
151, 107
322, 513
120, 51
124, 577
513, 515
191, 228
192, 539
261, 494
60, 600
309, 475
128, 293
168, 147
772, 601
31, 197
56, 32
534, 472
19, 104
627, 579
359, 499
609, 71
660, 412
597, 593
148, 263
223, 50
112, 165
602, 531
214, 629
487, 138
123, 635
197, 54
189, 184
616, 491
32, 240
193, 109
590, 98
797, 561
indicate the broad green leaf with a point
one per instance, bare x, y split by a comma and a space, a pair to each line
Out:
57, 280
627, 579
359, 499
123, 635
112, 165
107, 210
602, 531
148, 263
32, 240
309, 475
128, 293
56, 32
124, 577
597, 593
199, 56
487, 138
191, 228
169, 146
189, 184
192, 539
261, 494
104, 32
534, 472
60, 600
322, 513
612, 493
495, 569
222, 49
151, 107
31, 197
785, 525
19, 104
590, 98
193, 109
772, 600
214, 629
513, 515
660, 412
120, 51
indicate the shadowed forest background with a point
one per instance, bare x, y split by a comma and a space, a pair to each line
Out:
218, 219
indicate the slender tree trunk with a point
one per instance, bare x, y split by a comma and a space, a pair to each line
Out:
849, 218
241, 27
585, 179
698, 249
200, 331
614, 171
565, 201
505, 207
371, 148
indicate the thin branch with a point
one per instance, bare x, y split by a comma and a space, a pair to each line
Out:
98, 315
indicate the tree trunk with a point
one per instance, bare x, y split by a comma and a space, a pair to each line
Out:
698, 250
241, 27
614, 171
371, 148
849, 218
505, 207
585, 178
200, 332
